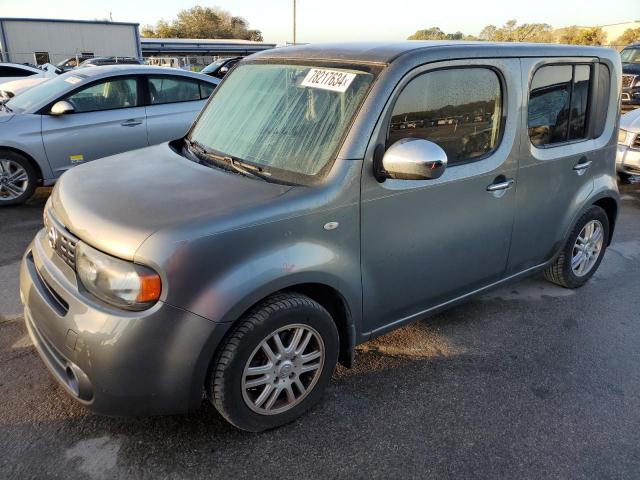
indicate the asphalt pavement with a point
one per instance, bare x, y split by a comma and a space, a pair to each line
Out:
528, 381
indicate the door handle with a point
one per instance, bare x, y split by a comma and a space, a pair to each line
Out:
582, 166
132, 122
503, 185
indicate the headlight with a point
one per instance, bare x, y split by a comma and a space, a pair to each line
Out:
120, 283
622, 136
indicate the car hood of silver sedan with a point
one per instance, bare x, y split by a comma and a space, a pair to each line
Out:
116, 203
5, 116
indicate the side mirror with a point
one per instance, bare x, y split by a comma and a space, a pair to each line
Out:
414, 159
61, 108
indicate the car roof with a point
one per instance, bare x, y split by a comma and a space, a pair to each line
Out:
124, 69
387, 52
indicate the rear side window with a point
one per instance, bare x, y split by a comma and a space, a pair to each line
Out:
559, 104
172, 90
460, 109
206, 89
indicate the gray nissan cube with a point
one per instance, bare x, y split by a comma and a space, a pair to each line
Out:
325, 195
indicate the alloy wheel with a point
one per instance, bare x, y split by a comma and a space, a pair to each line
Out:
283, 369
587, 248
14, 180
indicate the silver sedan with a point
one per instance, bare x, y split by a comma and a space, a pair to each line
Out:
92, 113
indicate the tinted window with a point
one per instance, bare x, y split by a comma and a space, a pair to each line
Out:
459, 109
15, 72
600, 103
579, 98
171, 90
206, 89
119, 93
558, 104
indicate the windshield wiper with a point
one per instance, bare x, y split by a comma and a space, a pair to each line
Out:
4, 105
225, 161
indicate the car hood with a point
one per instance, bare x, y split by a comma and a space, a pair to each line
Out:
116, 203
631, 121
18, 86
5, 116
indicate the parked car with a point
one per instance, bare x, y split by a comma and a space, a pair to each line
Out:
630, 76
628, 157
293, 222
221, 67
99, 61
72, 62
11, 89
14, 71
15, 87
87, 114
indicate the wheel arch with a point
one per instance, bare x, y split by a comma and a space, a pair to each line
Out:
610, 206
29, 158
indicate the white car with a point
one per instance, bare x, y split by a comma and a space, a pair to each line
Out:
16, 87
14, 71
628, 156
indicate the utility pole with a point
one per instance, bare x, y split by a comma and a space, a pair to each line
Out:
294, 22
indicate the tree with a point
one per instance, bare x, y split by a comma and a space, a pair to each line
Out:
512, 32
434, 33
203, 22
582, 36
630, 35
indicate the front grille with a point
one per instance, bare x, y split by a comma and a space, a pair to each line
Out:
60, 240
627, 80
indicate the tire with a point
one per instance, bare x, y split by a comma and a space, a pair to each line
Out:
284, 314
561, 272
11, 163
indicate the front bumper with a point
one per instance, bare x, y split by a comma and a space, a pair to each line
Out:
630, 97
628, 160
115, 362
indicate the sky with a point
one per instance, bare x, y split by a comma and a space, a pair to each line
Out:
344, 20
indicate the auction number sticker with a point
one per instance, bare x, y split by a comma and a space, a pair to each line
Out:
73, 80
333, 80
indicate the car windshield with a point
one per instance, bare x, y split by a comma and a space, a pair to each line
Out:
285, 119
630, 55
43, 91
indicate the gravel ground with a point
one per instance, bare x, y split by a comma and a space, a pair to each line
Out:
529, 381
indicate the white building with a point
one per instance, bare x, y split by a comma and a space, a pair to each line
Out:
39, 40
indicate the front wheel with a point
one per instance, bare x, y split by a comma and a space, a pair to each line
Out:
17, 178
275, 364
582, 253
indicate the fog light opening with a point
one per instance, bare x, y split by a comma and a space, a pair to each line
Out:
72, 380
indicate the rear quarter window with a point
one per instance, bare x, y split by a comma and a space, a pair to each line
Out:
559, 104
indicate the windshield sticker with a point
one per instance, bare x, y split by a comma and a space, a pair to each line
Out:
333, 80
73, 80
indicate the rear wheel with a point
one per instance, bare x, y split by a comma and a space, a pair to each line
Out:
275, 364
582, 253
17, 178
